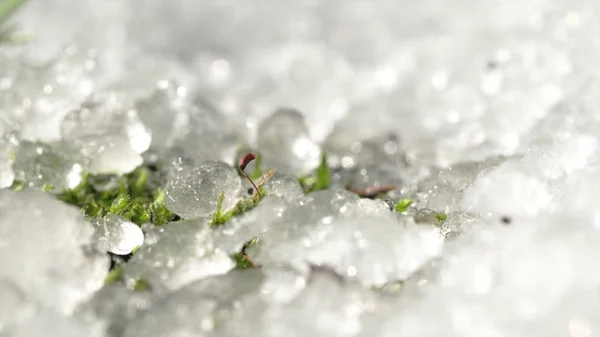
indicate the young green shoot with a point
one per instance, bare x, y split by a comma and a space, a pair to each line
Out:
402, 205
319, 181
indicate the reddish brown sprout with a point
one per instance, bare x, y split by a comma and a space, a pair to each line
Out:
244, 161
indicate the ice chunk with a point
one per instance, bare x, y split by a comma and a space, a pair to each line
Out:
298, 223
284, 186
177, 254
336, 314
46, 322
283, 283
116, 235
193, 192
15, 306
41, 96
507, 191
43, 250
118, 306
443, 188
374, 250
8, 145
558, 158
166, 114
38, 165
190, 124
364, 206
579, 193
346, 147
284, 142
108, 132
540, 275
196, 309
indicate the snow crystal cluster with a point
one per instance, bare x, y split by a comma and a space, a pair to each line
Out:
485, 114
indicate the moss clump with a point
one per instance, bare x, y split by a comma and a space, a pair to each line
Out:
135, 196
318, 181
441, 218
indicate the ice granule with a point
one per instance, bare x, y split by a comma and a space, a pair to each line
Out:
507, 191
181, 120
37, 165
336, 314
40, 96
177, 254
193, 191
542, 276
108, 132
284, 142
198, 308
8, 145
116, 235
44, 246
375, 250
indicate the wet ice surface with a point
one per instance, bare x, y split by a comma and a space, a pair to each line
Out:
487, 112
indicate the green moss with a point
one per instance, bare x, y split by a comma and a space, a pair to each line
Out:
221, 216
318, 181
441, 218
135, 196
402, 205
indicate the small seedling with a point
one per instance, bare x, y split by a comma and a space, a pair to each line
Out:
244, 161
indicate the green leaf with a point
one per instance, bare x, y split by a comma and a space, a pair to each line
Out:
402, 205
322, 174
113, 275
